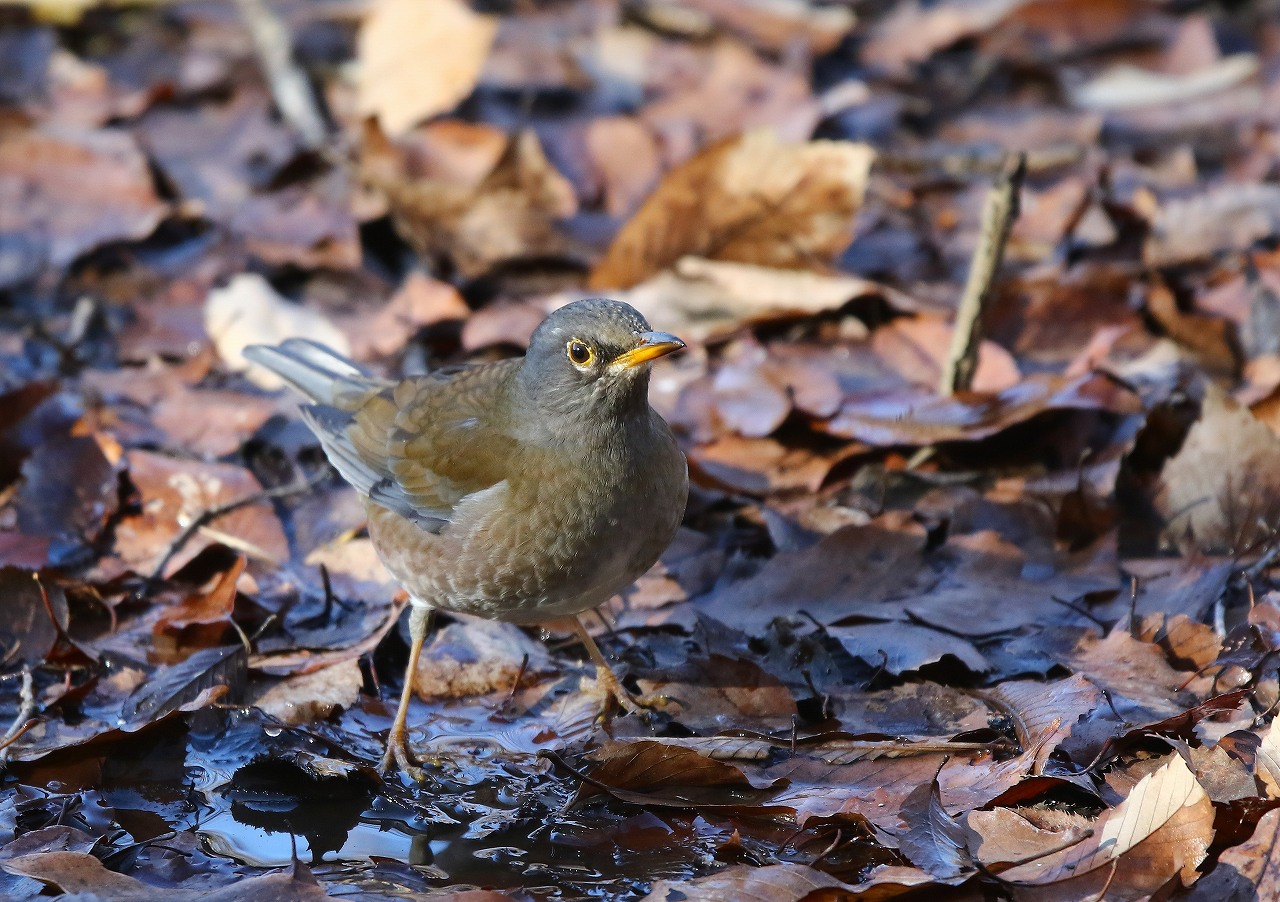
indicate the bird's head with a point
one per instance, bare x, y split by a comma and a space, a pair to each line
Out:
593, 355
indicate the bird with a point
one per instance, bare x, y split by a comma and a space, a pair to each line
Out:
524, 490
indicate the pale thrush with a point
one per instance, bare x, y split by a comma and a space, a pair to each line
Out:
524, 490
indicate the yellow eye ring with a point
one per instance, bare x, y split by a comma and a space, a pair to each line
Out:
580, 353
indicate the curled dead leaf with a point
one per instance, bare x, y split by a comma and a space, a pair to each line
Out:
752, 199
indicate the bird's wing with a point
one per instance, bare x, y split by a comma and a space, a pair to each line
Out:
420, 447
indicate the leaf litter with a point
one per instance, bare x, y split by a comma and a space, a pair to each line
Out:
1021, 640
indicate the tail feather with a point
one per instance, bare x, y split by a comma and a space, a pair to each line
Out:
323, 375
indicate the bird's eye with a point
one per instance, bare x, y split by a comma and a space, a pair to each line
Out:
580, 353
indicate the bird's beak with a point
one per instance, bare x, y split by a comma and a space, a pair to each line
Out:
652, 346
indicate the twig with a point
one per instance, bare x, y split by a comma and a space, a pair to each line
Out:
24, 720
208, 515
289, 86
998, 216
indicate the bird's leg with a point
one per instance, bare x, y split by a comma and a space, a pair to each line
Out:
397, 753
639, 706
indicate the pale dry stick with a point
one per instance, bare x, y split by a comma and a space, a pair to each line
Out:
998, 215
289, 85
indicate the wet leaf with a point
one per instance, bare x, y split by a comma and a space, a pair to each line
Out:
188, 685
648, 772
35, 616
776, 883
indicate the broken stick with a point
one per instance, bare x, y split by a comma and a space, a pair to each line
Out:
998, 217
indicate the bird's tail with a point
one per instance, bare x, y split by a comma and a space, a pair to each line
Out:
323, 375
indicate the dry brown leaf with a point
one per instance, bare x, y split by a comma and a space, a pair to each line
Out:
626, 159
722, 92
308, 697
1212, 341
918, 417
917, 347
747, 883
698, 298
1267, 762
419, 58
1161, 831
1231, 216
209, 422
1134, 672
475, 658
209, 608
1256, 860
73, 189
751, 199
874, 789
782, 25
174, 492
249, 311
650, 772
1125, 87
1221, 491
420, 301
915, 29
718, 693
1035, 707
509, 215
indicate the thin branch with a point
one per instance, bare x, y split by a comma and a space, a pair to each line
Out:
998, 216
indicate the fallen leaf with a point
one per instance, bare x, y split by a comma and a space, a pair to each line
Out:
477, 657
752, 199
210, 608
35, 616
249, 311
1221, 491
1161, 831
1036, 707
75, 188
1125, 87
775, 883
419, 58
720, 693
314, 696
192, 684
721, 93
1256, 861
648, 772
936, 842
175, 492
700, 298
1230, 216
915, 418
782, 25
419, 302
510, 215
915, 29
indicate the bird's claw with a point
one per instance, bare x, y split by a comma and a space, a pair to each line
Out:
398, 757
644, 707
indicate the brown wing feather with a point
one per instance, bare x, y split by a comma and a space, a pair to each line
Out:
434, 440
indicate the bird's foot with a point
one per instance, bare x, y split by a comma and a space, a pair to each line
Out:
397, 757
644, 707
